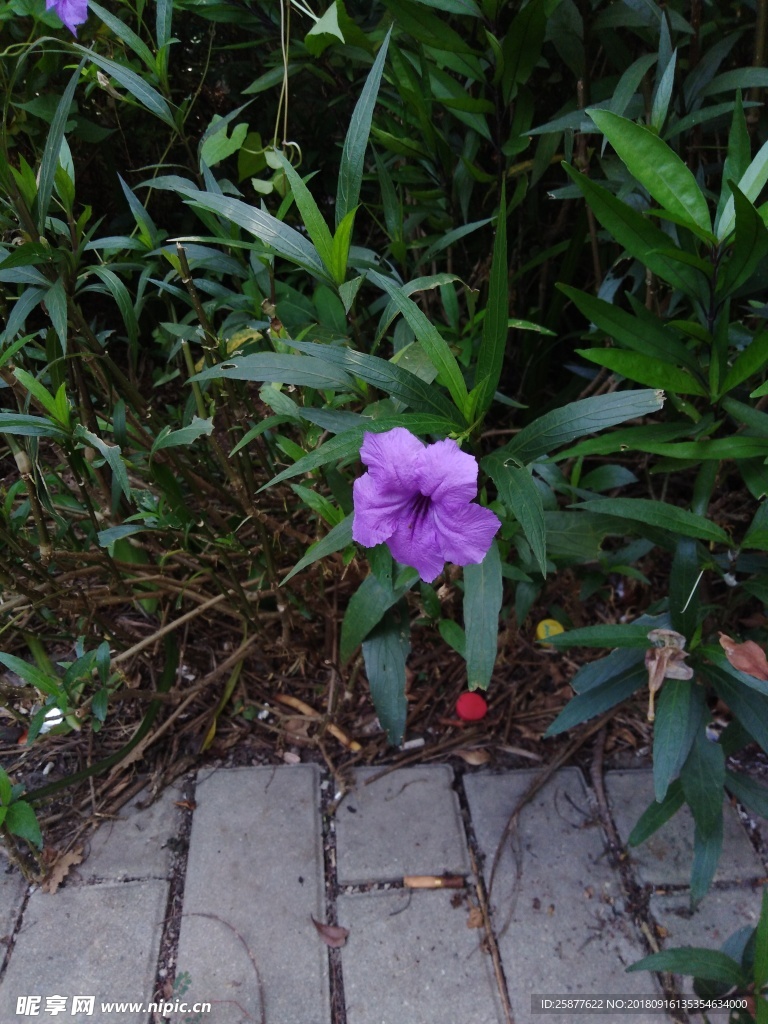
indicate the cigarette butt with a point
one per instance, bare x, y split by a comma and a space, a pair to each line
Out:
433, 881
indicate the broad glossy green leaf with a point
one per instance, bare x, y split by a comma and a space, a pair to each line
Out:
698, 962
135, 84
520, 494
679, 717
455, 6
587, 416
659, 514
752, 360
638, 235
335, 540
684, 579
648, 336
432, 341
490, 358
644, 370
384, 653
365, 610
657, 814
749, 706
356, 141
482, 604
657, 167
20, 821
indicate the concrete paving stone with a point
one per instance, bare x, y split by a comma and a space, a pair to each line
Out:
408, 822
721, 913
255, 868
557, 903
12, 890
411, 959
95, 940
666, 857
136, 845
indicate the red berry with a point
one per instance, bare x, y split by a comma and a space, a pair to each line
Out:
471, 707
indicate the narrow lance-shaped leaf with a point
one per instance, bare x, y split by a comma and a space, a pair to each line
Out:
384, 652
518, 490
50, 159
490, 358
353, 154
482, 604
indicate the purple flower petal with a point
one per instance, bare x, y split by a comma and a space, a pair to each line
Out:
448, 474
418, 498
466, 532
71, 12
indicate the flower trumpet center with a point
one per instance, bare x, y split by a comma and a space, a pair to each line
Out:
419, 507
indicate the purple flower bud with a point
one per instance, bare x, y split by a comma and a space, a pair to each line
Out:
418, 499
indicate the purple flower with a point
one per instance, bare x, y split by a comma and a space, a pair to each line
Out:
418, 498
71, 12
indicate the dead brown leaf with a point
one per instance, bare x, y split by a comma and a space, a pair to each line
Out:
333, 935
748, 657
473, 756
60, 869
475, 918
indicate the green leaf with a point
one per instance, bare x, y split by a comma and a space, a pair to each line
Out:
314, 221
384, 653
122, 298
679, 716
168, 438
365, 610
490, 358
136, 86
279, 368
31, 675
657, 167
587, 416
707, 848
29, 426
599, 699
603, 636
340, 255
521, 47
707, 964
750, 245
454, 636
482, 604
21, 821
56, 303
660, 514
111, 454
760, 973
703, 778
648, 336
663, 94
356, 141
750, 362
217, 145
335, 540
50, 160
638, 235
431, 340
287, 242
521, 496
748, 705
751, 184
644, 370
35, 388
683, 587
657, 814
126, 34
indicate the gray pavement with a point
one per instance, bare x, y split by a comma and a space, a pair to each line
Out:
227, 921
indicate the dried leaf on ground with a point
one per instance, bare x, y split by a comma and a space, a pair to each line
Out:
60, 869
333, 935
748, 657
473, 757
